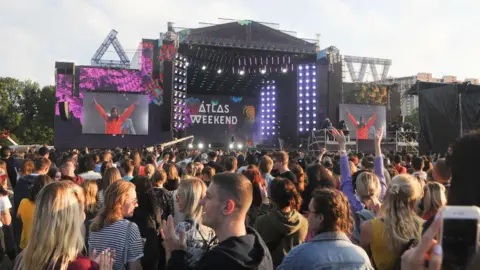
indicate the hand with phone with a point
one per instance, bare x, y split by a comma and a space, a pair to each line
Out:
428, 247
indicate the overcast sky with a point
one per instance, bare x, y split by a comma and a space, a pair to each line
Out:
437, 36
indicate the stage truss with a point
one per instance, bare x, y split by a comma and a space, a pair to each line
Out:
398, 141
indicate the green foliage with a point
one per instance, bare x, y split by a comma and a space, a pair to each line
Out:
27, 110
414, 119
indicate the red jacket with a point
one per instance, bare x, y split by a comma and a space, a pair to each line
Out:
114, 126
362, 132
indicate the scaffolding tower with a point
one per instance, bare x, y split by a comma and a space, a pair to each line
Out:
111, 39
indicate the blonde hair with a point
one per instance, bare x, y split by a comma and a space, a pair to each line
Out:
401, 221
149, 170
434, 197
368, 187
56, 236
192, 190
114, 197
91, 191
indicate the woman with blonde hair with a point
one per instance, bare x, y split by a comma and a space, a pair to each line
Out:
387, 236
109, 229
111, 175
198, 237
56, 236
367, 189
434, 198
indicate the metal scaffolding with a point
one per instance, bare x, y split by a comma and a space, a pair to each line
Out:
111, 39
365, 62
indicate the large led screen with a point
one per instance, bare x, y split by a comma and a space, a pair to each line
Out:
362, 120
219, 119
115, 113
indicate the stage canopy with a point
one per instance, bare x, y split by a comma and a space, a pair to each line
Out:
234, 58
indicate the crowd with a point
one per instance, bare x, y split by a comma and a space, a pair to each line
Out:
169, 209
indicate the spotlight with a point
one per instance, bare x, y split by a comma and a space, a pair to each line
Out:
284, 70
186, 64
200, 146
241, 72
219, 71
209, 146
263, 71
190, 145
239, 146
231, 146
204, 67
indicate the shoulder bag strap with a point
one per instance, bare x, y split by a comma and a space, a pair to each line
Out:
127, 242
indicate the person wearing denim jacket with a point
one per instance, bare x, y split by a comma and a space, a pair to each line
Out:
330, 220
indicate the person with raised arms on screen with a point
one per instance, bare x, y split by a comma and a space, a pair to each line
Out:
113, 123
361, 127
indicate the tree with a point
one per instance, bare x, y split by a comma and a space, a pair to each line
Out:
11, 92
27, 110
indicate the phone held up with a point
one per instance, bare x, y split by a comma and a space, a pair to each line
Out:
459, 235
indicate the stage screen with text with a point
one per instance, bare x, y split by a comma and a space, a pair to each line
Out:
221, 119
115, 113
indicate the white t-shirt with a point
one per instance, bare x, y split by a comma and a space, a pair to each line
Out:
5, 204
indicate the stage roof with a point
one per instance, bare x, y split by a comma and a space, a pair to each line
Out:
246, 34
246, 53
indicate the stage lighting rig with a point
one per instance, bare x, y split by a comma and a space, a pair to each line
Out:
180, 92
307, 97
268, 109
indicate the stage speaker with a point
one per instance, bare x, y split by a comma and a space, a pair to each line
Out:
64, 110
366, 146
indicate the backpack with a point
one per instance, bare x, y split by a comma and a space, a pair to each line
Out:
360, 217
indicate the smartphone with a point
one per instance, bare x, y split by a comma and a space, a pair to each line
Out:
459, 235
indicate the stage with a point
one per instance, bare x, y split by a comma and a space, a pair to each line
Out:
393, 142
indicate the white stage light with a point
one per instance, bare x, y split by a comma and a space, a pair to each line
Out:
239, 146
230, 146
204, 67
200, 146
241, 72
190, 145
219, 71
263, 71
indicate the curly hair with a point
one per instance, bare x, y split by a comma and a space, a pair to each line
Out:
284, 193
335, 208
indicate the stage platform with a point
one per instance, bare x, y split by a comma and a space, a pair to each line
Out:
393, 141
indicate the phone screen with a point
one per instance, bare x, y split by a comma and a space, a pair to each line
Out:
459, 242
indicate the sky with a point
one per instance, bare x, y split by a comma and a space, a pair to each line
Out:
436, 36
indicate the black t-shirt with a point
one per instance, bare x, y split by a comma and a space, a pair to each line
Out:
289, 175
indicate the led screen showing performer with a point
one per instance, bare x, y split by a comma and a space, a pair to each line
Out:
360, 126
354, 116
127, 114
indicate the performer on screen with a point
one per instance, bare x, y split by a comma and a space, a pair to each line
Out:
113, 123
362, 127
